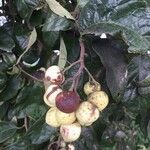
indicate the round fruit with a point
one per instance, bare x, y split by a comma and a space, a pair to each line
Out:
65, 118
70, 132
67, 101
51, 117
91, 87
54, 75
87, 113
99, 98
50, 95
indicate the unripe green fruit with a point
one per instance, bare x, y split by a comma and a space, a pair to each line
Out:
99, 98
87, 113
90, 87
70, 132
51, 117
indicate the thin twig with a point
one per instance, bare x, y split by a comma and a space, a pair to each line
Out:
26, 123
74, 63
90, 75
32, 77
81, 60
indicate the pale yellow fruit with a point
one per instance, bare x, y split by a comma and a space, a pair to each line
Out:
50, 95
51, 117
54, 75
90, 87
65, 118
87, 113
70, 132
99, 98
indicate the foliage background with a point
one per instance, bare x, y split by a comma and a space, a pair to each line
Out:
121, 63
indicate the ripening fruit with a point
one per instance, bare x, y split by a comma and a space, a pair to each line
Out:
67, 101
87, 113
65, 118
54, 75
99, 98
70, 132
91, 87
50, 95
51, 117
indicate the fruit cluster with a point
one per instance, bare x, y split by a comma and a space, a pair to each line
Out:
67, 111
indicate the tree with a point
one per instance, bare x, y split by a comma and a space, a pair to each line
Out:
41, 33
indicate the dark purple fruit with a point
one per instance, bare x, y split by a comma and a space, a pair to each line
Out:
67, 101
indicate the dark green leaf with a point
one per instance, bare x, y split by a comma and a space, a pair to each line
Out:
34, 3
50, 38
40, 132
144, 71
13, 86
87, 140
9, 58
3, 110
29, 102
7, 130
56, 23
3, 80
136, 43
131, 18
116, 67
23, 9
6, 42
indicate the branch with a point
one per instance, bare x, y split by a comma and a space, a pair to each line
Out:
29, 75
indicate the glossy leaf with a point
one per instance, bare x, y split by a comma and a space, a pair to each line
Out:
116, 67
58, 9
99, 17
7, 130
63, 54
50, 38
56, 23
23, 9
13, 86
40, 132
6, 42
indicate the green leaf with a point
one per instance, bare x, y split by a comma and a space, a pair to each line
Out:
34, 3
137, 44
87, 140
63, 54
130, 18
7, 130
144, 71
116, 66
13, 86
58, 9
82, 3
148, 129
9, 58
56, 23
23, 9
6, 42
32, 39
3, 110
3, 80
50, 38
40, 132
29, 102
